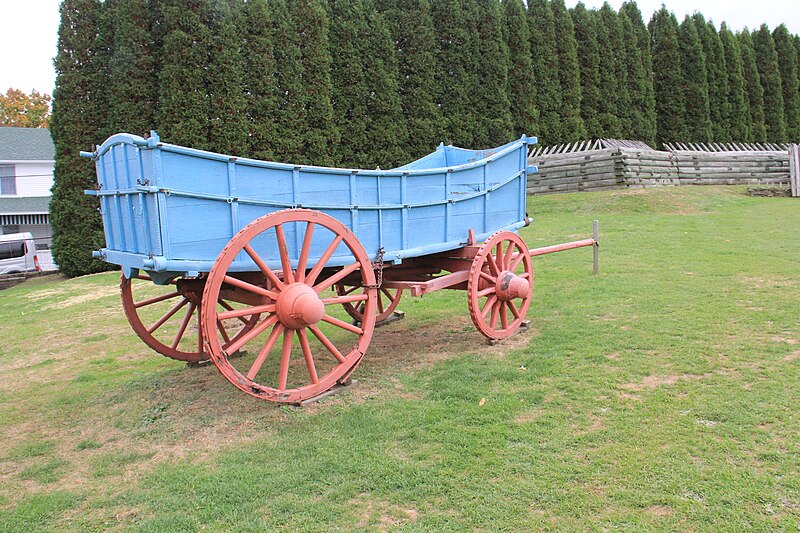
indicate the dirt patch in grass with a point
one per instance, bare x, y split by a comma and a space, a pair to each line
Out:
95, 294
654, 381
381, 514
659, 510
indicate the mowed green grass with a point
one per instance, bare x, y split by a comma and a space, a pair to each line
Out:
661, 394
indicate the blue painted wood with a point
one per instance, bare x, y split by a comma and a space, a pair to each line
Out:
192, 202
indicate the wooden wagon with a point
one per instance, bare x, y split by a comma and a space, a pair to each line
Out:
248, 252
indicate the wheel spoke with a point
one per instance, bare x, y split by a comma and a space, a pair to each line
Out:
156, 299
345, 299
247, 311
487, 291
344, 325
228, 306
184, 323
525, 275
262, 355
389, 294
503, 315
326, 342
509, 255
288, 275
351, 290
518, 257
286, 353
489, 304
144, 277
250, 335
250, 287
304, 251
324, 284
323, 260
492, 264
493, 317
312, 369
263, 267
499, 260
175, 308
487, 277
514, 310
380, 303
223, 332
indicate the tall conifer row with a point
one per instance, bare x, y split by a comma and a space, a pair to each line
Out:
755, 93
571, 123
227, 119
76, 124
545, 69
614, 104
585, 24
521, 88
311, 23
260, 89
414, 38
388, 132
715, 75
696, 115
490, 104
738, 107
667, 76
132, 92
182, 96
454, 73
788, 61
640, 76
767, 63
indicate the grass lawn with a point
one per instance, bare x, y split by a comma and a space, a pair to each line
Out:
661, 394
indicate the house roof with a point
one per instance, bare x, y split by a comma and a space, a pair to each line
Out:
26, 144
23, 205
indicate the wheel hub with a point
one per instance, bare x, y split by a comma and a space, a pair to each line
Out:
299, 306
510, 286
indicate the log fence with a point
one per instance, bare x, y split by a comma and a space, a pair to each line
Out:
615, 164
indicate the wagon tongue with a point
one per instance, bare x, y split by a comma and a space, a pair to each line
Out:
299, 306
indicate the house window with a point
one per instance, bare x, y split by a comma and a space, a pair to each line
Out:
10, 229
8, 180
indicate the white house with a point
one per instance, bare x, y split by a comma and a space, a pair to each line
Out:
27, 159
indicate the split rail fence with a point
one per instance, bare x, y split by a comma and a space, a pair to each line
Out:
618, 164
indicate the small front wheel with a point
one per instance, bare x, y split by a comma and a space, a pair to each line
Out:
500, 285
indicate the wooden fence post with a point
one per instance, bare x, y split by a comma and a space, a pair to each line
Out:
794, 169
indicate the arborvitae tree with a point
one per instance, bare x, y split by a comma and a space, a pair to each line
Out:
738, 108
182, 100
415, 42
788, 63
133, 79
365, 89
615, 104
755, 94
75, 125
227, 119
388, 132
572, 127
311, 24
715, 74
454, 70
667, 76
521, 87
490, 102
260, 89
585, 23
696, 117
769, 73
638, 63
545, 68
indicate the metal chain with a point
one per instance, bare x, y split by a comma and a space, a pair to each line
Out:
377, 266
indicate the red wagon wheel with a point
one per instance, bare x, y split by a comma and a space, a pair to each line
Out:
302, 306
387, 301
173, 314
500, 285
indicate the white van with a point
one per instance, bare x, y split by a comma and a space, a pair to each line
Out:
18, 253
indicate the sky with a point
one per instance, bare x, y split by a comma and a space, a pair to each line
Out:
29, 30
